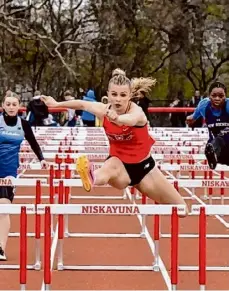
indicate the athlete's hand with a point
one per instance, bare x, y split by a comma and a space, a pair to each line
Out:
44, 164
49, 101
112, 115
189, 120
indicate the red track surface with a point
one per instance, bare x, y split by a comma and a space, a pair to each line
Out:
126, 251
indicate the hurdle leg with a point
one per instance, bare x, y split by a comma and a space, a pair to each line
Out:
222, 189
37, 265
66, 231
202, 249
60, 265
156, 242
137, 195
142, 234
23, 249
52, 227
174, 249
193, 177
66, 200
51, 196
205, 197
133, 192
124, 196
47, 249
67, 174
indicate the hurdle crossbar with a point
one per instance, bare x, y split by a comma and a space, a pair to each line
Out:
181, 183
105, 148
103, 156
127, 209
171, 210
106, 142
16, 208
11, 181
164, 167
112, 209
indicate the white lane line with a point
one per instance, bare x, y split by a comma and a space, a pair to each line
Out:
226, 224
204, 204
150, 241
53, 250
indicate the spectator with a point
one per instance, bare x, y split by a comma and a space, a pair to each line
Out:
87, 117
178, 118
205, 95
37, 111
68, 117
194, 103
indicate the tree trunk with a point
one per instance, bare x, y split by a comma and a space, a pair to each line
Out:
177, 64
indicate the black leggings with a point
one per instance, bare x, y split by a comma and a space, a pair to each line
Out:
221, 148
7, 192
89, 123
139, 170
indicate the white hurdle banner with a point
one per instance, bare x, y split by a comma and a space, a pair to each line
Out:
188, 167
96, 165
105, 148
104, 138
103, 156
51, 142
182, 183
113, 209
101, 129
11, 181
16, 208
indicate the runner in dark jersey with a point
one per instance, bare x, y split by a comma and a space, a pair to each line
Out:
215, 111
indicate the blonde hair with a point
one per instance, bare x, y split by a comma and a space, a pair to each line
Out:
141, 85
9, 93
117, 72
119, 78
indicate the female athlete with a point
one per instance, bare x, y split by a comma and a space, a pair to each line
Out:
13, 129
215, 111
130, 161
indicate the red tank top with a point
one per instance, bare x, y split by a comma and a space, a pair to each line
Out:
131, 144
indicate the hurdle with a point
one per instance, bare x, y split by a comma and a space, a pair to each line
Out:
178, 183
164, 167
23, 211
182, 183
100, 148
63, 170
192, 169
37, 226
96, 209
103, 156
153, 210
66, 142
203, 212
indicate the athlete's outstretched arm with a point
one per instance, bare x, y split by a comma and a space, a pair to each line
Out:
199, 111
96, 108
134, 117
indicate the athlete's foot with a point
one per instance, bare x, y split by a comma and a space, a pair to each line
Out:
211, 156
2, 255
85, 172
